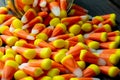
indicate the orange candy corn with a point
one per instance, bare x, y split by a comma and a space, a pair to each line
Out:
55, 8
9, 40
1, 67
26, 52
20, 59
111, 71
43, 3
109, 45
23, 34
43, 14
59, 29
75, 51
104, 28
45, 64
28, 16
37, 28
74, 19
102, 37
97, 20
4, 17
42, 43
91, 70
68, 76
114, 33
84, 79
32, 71
89, 57
107, 16
63, 36
114, 39
9, 69
37, 19
69, 62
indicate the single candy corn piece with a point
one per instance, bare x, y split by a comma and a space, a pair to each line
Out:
37, 28
5, 30
97, 19
102, 37
81, 64
54, 21
27, 78
77, 38
4, 17
46, 33
74, 19
75, 12
43, 14
9, 40
20, 59
23, 43
84, 78
42, 43
104, 28
75, 29
91, 70
45, 78
3, 10
69, 44
23, 34
109, 45
16, 24
69, 62
111, 59
26, 7
86, 27
58, 56
26, 52
63, 36
43, 3
89, 57
79, 8
114, 39
53, 72
28, 16
9, 69
43, 52
9, 21
59, 43
107, 16
31, 23
32, 71
45, 64
1, 67
55, 8
68, 76
109, 21
75, 51
27, 2
92, 44
114, 33
59, 29
111, 71
19, 74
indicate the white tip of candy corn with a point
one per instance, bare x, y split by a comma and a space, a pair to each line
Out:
22, 65
56, 11
25, 26
30, 37
34, 31
95, 79
11, 29
14, 47
78, 72
24, 19
43, 4
35, 3
101, 62
52, 39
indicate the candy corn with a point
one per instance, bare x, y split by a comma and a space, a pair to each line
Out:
20, 74
3, 10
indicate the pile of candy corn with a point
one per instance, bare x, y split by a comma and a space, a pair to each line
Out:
49, 43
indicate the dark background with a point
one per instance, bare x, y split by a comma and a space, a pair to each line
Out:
99, 7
